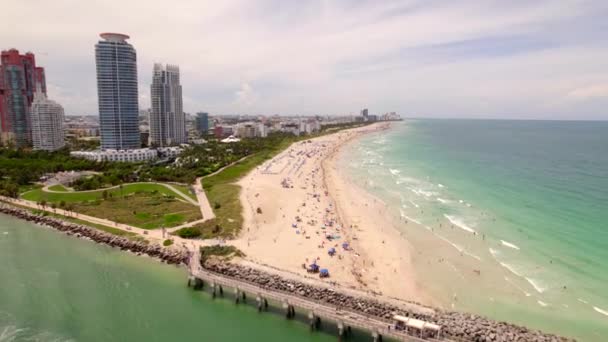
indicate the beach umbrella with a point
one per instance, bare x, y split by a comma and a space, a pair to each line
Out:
345, 245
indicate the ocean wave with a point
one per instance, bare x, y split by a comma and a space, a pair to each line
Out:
510, 268
458, 222
494, 252
527, 294
424, 193
444, 201
456, 246
409, 218
535, 285
508, 244
582, 301
603, 312
440, 185
541, 303
414, 203
394, 172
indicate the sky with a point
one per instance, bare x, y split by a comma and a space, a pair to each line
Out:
475, 59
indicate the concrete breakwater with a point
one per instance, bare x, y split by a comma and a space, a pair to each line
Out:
169, 256
455, 325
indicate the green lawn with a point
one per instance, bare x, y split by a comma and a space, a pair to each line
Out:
80, 196
186, 190
58, 187
143, 210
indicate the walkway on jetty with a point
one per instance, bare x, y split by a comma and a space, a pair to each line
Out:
327, 313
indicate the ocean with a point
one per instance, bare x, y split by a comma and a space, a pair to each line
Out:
513, 215
59, 288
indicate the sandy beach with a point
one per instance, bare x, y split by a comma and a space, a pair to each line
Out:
298, 206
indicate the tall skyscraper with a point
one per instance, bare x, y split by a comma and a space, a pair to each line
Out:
117, 92
202, 122
47, 123
167, 119
365, 113
19, 76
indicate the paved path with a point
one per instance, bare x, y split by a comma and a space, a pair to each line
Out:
203, 201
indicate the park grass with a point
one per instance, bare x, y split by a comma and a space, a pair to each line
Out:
185, 189
29, 187
38, 195
58, 187
143, 210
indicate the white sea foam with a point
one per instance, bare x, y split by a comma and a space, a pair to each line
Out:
493, 252
510, 268
458, 248
415, 205
508, 244
5, 233
536, 285
424, 193
409, 218
603, 312
541, 303
442, 200
394, 172
517, 286
440, 185
582, 301
458, 222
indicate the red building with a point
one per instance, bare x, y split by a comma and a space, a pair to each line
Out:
19, 77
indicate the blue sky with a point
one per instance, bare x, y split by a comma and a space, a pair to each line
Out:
478, 59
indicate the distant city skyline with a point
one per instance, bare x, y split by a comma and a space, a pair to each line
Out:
518, 60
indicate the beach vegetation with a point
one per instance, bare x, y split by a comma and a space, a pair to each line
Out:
167, 242
220, 251
188, 233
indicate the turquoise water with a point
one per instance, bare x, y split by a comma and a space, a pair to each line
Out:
58, 288
525, 203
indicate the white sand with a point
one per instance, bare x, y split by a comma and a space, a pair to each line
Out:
304, 181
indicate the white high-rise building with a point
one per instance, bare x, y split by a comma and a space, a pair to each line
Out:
167, 119
47, 123
117, 92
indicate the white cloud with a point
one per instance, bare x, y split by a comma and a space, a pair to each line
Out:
589, 92
333, 57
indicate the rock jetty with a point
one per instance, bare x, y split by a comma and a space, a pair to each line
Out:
457, 325
169, 256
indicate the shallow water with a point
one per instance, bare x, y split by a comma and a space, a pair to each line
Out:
521, 202
59, 288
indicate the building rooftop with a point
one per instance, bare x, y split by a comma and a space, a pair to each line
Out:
114, 37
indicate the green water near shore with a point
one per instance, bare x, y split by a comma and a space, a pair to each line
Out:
58, 288
522, 201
